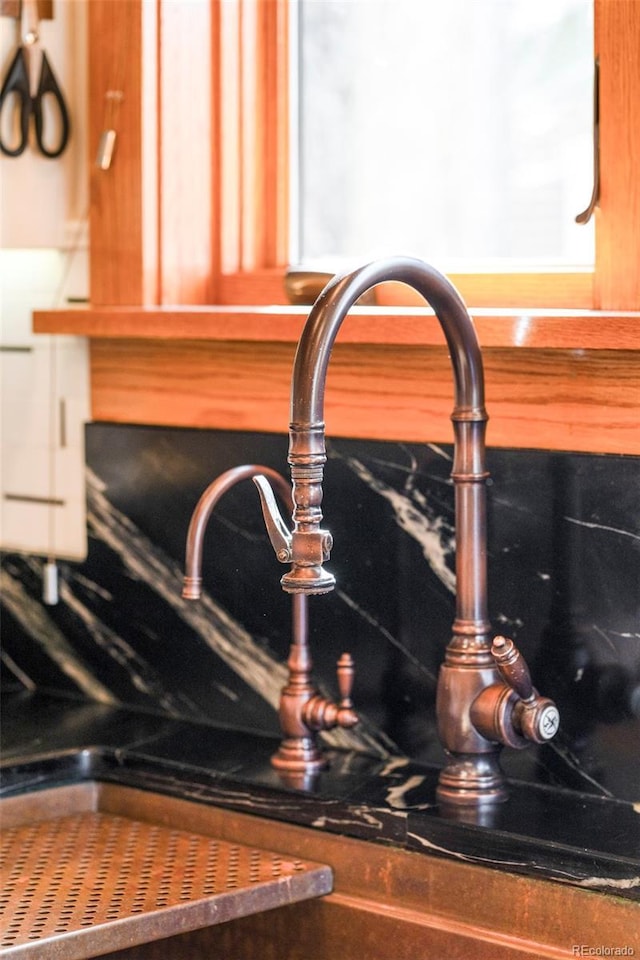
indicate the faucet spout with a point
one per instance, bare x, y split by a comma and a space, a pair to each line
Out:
307, 452
192, 582
472, 774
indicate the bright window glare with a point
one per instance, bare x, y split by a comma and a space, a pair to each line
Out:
456, 130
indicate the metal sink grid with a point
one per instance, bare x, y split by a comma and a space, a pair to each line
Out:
91, 882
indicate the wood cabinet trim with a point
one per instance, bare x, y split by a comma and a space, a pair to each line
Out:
536, 329
587, 400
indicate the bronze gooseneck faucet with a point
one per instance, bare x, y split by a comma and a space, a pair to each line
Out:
303, 710
485, 697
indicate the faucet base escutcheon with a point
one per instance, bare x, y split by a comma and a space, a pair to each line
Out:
472, 780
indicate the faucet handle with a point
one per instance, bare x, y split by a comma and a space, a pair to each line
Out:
512, 667
345, 672
536, 718
342, 713
276, 527
321, 713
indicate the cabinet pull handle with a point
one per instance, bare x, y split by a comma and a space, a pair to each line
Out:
586, 215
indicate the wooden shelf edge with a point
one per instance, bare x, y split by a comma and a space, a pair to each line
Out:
539, 329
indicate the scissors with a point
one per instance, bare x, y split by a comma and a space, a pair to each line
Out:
30, 79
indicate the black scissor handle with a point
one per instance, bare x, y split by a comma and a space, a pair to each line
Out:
17, 82
48, 85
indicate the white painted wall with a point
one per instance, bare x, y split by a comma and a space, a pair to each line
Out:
41, 199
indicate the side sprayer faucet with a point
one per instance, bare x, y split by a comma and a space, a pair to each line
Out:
303, 710
485, 697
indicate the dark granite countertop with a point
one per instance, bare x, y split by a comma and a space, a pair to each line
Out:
542, 831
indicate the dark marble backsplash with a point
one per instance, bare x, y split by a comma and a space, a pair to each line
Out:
564, 582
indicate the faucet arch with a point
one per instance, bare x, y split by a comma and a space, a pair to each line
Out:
307, 453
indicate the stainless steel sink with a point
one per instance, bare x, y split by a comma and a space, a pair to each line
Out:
91, 868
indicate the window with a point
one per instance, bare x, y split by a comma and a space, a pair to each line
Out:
460, 132
610, 281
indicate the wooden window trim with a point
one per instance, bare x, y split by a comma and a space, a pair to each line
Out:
199, 184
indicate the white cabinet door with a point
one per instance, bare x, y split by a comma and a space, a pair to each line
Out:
44, 391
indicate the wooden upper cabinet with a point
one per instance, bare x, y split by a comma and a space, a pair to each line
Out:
123, 216
153, 212
197, 189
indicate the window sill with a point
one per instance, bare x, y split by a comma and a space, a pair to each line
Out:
508, 328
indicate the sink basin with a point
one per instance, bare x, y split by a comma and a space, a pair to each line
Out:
92, 868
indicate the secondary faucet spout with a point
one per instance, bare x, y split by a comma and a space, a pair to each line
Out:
472, 774
192, 584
